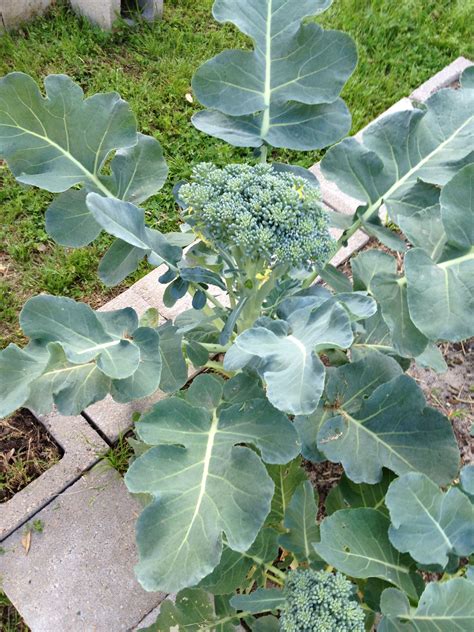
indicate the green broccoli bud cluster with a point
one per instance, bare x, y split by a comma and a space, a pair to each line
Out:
318, 601
270, 216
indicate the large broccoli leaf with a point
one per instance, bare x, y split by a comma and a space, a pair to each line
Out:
202, 480
427, 523
440, 288
63, 140
76, 357
284, 92
355, 541
445, 607
346, 389
371, 416
400, 149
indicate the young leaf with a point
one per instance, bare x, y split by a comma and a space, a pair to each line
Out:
232, 570
120, 260
286, 357
349, 495
261, 600
203, 482
427, 523
174, 374
467, 480
268, 623
300, 520
445, 607
278, 93
391, 292
355, 541
192, 611
127, 222
286, 478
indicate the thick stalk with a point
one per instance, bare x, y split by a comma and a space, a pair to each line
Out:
219, 368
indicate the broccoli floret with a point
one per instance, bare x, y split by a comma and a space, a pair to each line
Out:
318, 601
274, 217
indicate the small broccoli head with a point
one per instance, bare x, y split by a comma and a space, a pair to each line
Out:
274, 217
318, 601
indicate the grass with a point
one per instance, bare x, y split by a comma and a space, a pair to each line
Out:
9, 618
401, 44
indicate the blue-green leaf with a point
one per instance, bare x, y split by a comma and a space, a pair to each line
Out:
203, 481
284, 92
445, 607
355, 541
300, 520
392, 428
428, 523
285, 352
261, 600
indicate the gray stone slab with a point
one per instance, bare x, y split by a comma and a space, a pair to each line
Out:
105, 12
100, 12
14, 12
82, 449
78, 574
442, 79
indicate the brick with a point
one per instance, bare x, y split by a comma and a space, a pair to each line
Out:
78, 574
82, 449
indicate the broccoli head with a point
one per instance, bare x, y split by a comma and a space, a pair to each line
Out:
318, 601
261, 214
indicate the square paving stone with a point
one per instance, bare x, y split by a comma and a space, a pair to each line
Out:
78, 574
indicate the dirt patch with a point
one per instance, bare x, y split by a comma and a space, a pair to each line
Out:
27, 450
453, 392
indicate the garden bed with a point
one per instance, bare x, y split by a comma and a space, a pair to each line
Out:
28, 450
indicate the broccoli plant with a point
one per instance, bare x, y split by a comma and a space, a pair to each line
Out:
301, 359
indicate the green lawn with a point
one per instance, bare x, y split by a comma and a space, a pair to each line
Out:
401, 44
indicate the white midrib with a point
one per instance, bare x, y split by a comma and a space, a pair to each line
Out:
91, 176
434, 521
299, 344
268, 72
105, 345
374, 207
205, 476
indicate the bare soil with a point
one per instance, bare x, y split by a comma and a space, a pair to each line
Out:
27, 450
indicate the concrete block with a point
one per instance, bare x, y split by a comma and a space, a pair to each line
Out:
82, 448
78, 574
14, 12
100, 12
105, 12
442, 79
